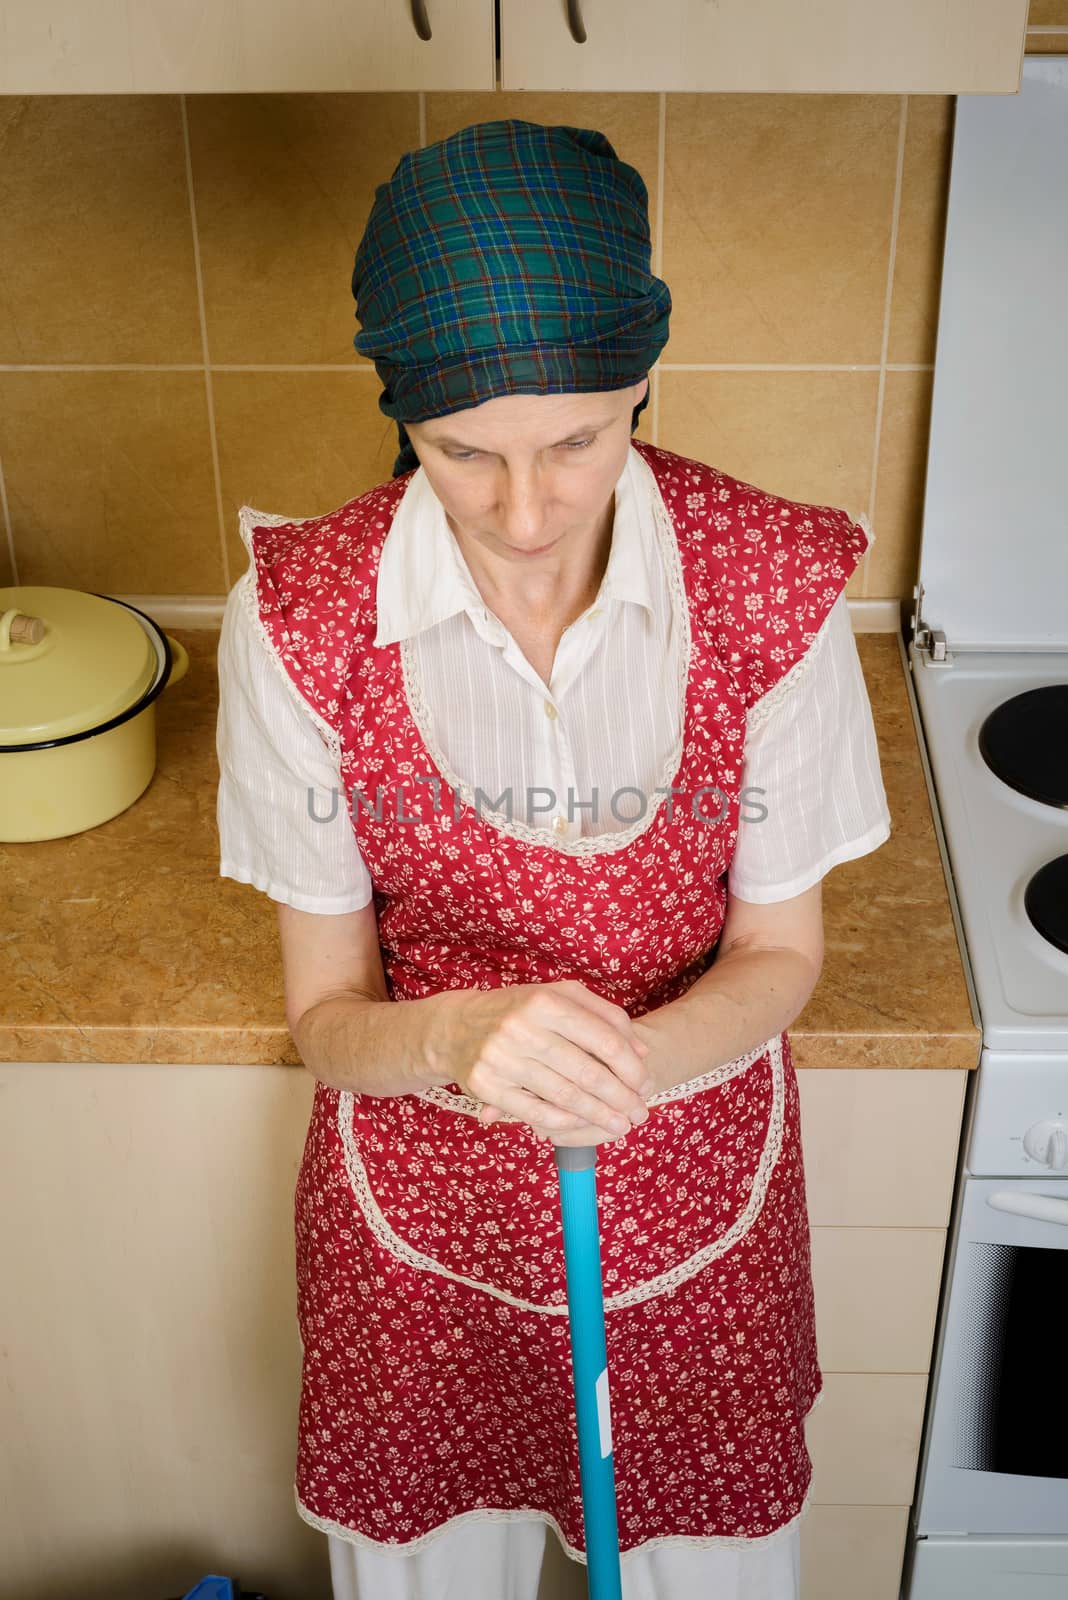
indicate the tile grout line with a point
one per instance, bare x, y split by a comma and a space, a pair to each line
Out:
176, 366
658, 241
208, 390
796, 366
8, 529
895, 218
101, 366
365, 368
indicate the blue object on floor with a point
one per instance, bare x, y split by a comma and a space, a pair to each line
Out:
214, 1587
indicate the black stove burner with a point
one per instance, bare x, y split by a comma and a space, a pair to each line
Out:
1025, 742
1046, 900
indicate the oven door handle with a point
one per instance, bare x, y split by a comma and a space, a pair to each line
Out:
1039, 1207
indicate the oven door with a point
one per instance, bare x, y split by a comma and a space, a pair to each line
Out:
997, 1451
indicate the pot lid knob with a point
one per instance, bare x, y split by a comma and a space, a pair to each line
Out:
26, 630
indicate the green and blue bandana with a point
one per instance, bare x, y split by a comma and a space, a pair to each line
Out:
510, 258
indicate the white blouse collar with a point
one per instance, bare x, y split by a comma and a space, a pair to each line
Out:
423, 577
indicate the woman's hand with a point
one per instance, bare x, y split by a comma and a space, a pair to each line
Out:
552, 1055
583, 1133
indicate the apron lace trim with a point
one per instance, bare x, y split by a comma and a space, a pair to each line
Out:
390, 1241
338, 1530
466, 1105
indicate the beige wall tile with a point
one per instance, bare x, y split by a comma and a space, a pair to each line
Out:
95, 231
1047, 13
921, 229
876, 1297
880, 1145
109, 481
298, 443
284, 184
805, 435
893, 563
864, 1438
777, 213
851, 1551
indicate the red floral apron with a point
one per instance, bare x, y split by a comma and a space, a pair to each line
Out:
431, 1287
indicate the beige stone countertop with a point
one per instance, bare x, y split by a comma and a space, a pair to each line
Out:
124, 944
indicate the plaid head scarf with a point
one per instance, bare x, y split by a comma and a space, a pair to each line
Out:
511, 258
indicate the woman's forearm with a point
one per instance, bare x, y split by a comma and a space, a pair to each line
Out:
376, 1047
386, 1047
745, 997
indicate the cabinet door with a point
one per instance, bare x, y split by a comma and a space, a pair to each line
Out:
242, 46
880, 1145
766, 46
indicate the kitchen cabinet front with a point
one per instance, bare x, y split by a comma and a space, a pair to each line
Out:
765, 46
243, 46
152, 1356
752, 46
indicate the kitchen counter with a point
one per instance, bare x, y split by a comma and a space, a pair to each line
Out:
123, 943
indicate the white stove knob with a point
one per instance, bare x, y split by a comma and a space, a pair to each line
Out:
1047, 1142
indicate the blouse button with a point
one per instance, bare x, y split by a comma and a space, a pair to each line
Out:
560, 824
550, 710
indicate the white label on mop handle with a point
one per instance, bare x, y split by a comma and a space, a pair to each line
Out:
604, 1416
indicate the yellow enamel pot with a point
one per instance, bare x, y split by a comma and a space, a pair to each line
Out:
79, 678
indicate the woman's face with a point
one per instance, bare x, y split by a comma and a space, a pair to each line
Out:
528, 476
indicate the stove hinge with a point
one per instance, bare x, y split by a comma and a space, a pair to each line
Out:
930, 642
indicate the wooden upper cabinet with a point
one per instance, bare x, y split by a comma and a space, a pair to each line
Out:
264, 46
235, 46
765, 46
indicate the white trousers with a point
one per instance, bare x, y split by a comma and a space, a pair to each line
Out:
487, 1560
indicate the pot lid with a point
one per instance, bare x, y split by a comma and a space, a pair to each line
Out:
94, 661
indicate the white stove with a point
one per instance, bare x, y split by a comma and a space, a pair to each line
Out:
988, 658
1002, 838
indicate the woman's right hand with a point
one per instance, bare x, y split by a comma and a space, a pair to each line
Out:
552, 1055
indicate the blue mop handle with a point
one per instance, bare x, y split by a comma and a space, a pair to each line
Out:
576, 1168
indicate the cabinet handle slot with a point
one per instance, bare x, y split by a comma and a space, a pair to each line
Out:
575, 22
420, 20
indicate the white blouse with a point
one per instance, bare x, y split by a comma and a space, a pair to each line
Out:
555, 762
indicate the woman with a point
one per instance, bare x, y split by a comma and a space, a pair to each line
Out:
551, 738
